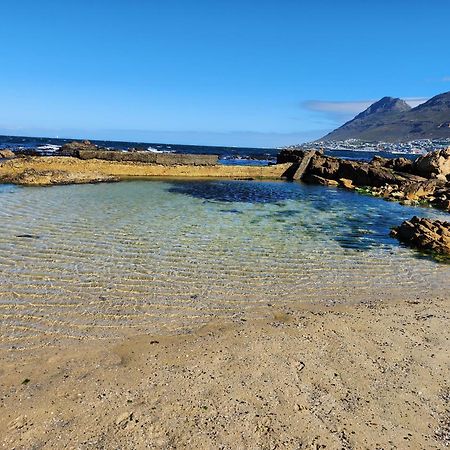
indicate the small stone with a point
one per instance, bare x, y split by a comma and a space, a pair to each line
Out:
123, 418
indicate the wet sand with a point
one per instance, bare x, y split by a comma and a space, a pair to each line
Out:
370, 375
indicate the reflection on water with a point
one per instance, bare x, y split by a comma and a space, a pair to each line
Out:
99, 260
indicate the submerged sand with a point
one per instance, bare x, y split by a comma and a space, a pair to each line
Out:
370, 375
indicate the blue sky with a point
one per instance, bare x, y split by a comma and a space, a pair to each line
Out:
250, 73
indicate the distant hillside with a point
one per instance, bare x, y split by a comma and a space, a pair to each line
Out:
392, 119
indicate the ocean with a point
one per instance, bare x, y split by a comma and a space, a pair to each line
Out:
227, 155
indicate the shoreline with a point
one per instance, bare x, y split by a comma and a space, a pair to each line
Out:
342, 376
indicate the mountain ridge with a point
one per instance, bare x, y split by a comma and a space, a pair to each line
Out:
391, 119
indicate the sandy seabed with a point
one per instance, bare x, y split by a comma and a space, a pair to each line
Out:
375, 375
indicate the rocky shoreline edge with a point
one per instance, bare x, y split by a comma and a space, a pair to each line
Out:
423, 181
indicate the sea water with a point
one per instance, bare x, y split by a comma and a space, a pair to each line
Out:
98, 261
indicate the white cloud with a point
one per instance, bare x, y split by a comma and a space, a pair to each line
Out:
445, 79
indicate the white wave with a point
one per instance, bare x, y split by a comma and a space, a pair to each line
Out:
155, 150
49, 147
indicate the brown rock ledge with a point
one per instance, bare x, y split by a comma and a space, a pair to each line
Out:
96, 170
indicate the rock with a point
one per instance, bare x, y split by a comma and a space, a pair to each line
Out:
324, 166
302, 166
416, 191
164, 159
289, 155
320, 180
425, 234
123, 418
379, 161
346, 183
33, 177
6, 154
434, 164
73, 148
18, 423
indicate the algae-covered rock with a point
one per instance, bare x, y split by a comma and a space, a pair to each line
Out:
33, 177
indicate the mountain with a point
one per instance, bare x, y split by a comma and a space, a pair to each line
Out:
392, 119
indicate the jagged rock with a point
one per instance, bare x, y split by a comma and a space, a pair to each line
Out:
415, 191
33, 177
324, 166
397, 164
6, 153
73, 148
425, 234
289, 155
434, 164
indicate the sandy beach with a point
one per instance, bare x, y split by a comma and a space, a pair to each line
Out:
368, 375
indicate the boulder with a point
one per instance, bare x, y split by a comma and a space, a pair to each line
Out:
73, 148
434, 164
6, 154
416, 191
425, 234
400, 165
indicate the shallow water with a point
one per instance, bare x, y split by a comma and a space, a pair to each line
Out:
101, 260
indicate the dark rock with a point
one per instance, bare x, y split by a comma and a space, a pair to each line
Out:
289, 155
425, 234
73, 148
165, 159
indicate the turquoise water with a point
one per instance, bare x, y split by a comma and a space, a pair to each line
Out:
155, 256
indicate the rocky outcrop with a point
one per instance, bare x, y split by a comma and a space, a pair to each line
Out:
165, 159
11, 170
434, 164
33, 177
86, 150
6, 154
395, 179
73, 148
425, 234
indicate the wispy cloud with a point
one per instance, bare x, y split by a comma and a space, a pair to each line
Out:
445, 79
340, 110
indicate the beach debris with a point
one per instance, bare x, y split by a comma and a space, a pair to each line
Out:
124, 418
18, 423
26, 381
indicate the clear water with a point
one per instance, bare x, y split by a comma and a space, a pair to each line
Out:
152, 256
